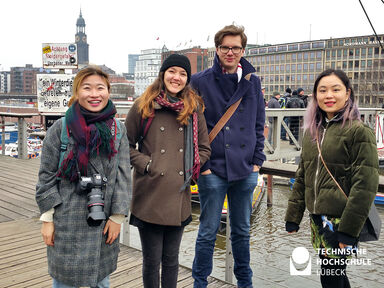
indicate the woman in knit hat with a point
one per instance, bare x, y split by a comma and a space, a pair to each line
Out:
168, 125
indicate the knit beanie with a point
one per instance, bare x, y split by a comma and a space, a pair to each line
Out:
299, 90
179, 61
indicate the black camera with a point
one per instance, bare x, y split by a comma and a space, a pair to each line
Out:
94, 186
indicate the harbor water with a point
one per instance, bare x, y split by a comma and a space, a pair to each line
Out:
272, 247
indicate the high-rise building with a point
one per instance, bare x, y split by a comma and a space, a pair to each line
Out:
81, 41
297, 65
196, 55
5, 82
23, 79
147, 68
132, 58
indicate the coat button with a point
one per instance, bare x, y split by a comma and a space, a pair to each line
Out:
162, 151
180, 129
227, 128
162, 128
241, 128
181, 173
181, 150
162, 174
227, 145
242, 145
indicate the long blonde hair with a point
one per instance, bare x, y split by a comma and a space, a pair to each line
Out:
189, 97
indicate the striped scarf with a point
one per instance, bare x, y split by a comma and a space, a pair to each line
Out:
92, 134
192, 166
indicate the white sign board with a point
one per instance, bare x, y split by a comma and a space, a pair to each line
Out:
54, 92
60, 56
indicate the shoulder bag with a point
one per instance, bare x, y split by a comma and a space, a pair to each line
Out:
372, 226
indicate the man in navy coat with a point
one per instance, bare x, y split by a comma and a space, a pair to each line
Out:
237, 153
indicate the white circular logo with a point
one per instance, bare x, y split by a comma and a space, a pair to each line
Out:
300, 255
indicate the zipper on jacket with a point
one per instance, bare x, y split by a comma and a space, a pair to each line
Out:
317, 168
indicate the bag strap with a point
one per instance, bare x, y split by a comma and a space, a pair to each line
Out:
226, 116
326, 167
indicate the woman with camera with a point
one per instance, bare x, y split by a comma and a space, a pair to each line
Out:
168, 124
83, 191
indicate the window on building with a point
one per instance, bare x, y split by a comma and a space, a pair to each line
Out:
377, 51
356, 75
311, 77
350, 52
345, 65
266, 69
357, 52
277, 68
299, 67
282, 57
281, 78
318, 55
370, 50
311, 67
276, 78
287, 78
293, 56
287, 67
305, 55
369, 63
293, 47
345, 53
338, 53
362, 64
282, 68
293, 77
333, 54
298, 77
277, 57
293, 67
357, 63
333, 65
299, 56
362, 75
318, 66
272, 68
305, 67
328, 54
350, 64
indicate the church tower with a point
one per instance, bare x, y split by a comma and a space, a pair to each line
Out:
81, 41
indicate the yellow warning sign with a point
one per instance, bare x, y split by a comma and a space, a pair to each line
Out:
47, 49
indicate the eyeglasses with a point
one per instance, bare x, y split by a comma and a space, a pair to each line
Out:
235, 50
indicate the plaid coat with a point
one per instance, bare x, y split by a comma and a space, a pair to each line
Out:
80, 256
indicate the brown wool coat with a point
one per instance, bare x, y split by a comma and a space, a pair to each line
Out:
156, 195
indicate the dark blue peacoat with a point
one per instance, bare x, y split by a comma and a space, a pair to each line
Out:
239, 145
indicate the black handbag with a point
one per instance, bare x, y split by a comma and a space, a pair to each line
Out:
372, 226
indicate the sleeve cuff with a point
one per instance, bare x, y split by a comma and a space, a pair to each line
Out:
291, 226
47, 216
117, 218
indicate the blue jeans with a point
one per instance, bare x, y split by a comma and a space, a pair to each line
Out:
102, 284
212, 191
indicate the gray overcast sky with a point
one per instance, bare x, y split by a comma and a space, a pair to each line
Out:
116, 28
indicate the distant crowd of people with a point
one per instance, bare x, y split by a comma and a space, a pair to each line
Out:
290, 99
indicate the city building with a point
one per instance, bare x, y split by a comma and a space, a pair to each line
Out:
196, 55
147, 68
132, 59
23, 79
5, 81
81, 41
297, 65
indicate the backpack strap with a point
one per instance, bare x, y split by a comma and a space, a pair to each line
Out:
64, 139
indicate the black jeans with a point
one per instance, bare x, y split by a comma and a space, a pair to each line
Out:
160, 245
334, 276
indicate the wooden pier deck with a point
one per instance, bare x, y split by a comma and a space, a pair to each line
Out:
22, 250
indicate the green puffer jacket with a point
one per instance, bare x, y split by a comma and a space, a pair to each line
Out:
351, 156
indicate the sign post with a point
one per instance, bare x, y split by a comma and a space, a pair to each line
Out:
55, 90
